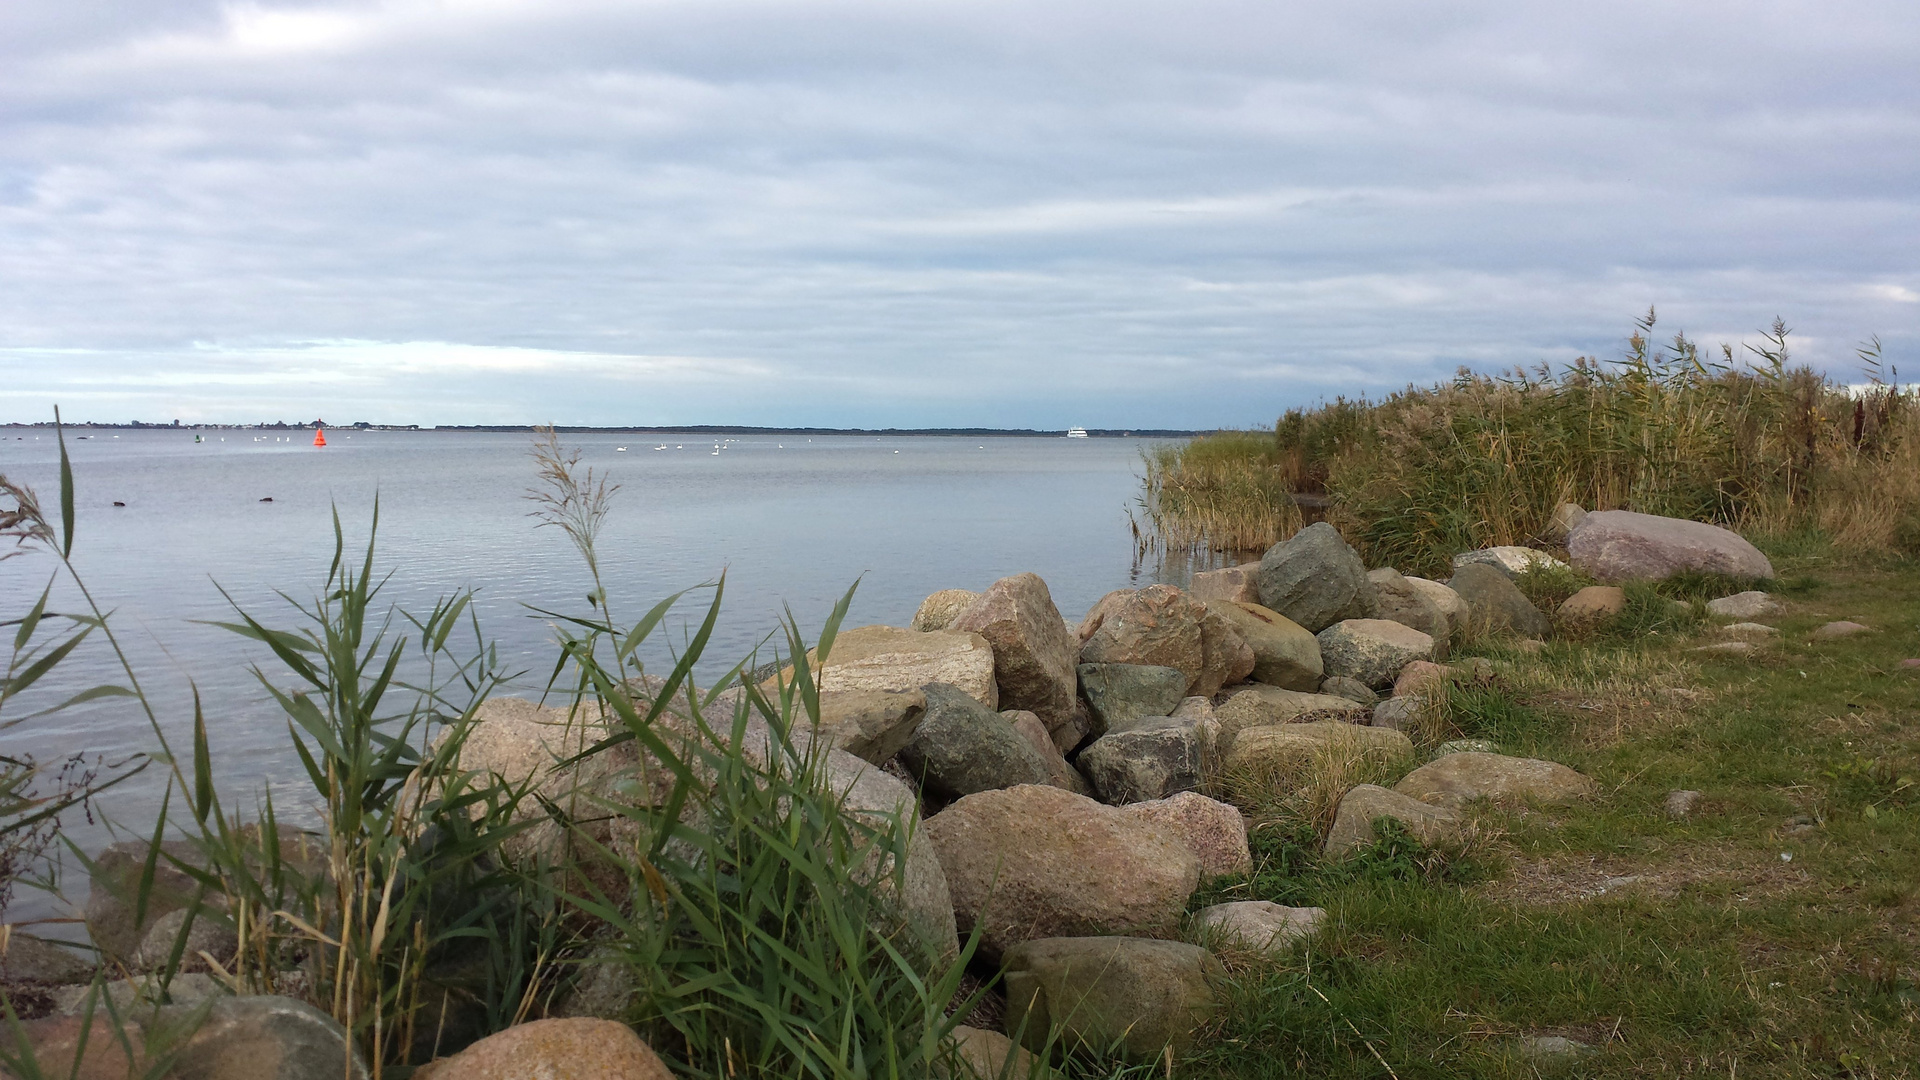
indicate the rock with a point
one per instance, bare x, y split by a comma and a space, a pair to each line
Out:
1315, 579
983, 1055
1620, 545
579, 1048
1680, 804
1227, 658
1495, 604
603, 990
1752, 604
1214, 831
1119, 693
1235, 584
1751, 630
1457, 779
1156, 626
938, 611
1549, 1047
1400, 713
1096, 992
889, 658
1476, 669
136, 993
1033, 654
1260, 925
1509, 560
1730, 648
1150, 760
1060, 773
1841, 629
25, 959
1530, 646
1283, 757
872, 725
1397, 599
113, 890
1560, 524
1284, 653
1464, 746
1372, 650
1360, 807
239, 1038
1593, 605
1258, 706
1421, 677
212, 933
1030, 862
1346, 686
1911, 662
961, 747
1450, 603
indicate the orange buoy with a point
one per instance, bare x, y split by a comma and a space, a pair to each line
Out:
319, 437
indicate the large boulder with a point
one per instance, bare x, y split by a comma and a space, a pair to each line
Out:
1285, 757
1284, 653
938, 611
1451, 604
559, 1048
1315, 579
872, 725
1259, 925
1060, 772
120, 923
1458, 779
1031, 861
1096, 992
1497, 604
28, 960
1152, 759
961, 747
1234, 584
1372, 650
1509, 560
889, 658
1214, 831
1033, 654
226, 1038
1366, 803
1620, 545
1120, 693
1258, 706
1398, 600
1161, 626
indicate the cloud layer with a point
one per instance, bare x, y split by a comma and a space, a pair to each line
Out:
754, 211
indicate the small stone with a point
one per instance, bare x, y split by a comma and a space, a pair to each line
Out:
1458, 779
1911, 663
1753, 604
1540, 1047
1729, 648
1509, 560
27, 959
1260, 925
1350, 688
1530, 646
1420, 677
1841, 629
1593, 605
1399, 713
938, 611
983, 1056
1681, 803
1464, 746
1757, 631
1560, 525
1361, 806
211, 934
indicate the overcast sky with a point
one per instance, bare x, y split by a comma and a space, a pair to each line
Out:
927, 212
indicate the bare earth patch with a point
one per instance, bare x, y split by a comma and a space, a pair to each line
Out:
1572, 879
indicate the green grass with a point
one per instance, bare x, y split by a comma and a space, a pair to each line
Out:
1723, 959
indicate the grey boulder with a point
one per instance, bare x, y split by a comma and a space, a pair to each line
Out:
1119, 693
1315, 579
1096, 992
1033, 653
1620, 545
961, 747
1372, 651
1496, 604
1399, 600
1260, 925
1150, 760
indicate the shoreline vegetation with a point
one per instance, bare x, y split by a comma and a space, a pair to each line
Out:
1612, 793
689, 429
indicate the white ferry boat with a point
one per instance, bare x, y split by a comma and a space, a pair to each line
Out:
1076, 433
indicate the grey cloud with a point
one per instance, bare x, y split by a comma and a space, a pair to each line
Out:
936, 213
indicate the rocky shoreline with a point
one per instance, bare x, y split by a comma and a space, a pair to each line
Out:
1069, 786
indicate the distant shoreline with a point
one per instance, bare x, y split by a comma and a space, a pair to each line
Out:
691, 429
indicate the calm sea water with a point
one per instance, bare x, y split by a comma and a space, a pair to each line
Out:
791, 520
